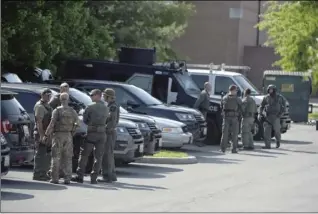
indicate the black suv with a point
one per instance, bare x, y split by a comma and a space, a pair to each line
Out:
16, 128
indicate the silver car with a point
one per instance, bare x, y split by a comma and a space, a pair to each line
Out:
174, 133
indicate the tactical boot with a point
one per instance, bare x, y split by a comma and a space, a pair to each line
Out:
93, 181
234, 151
114, 178
41, 178
277, 144
105, 180
54, 181
67, 182
77, 179
266, 147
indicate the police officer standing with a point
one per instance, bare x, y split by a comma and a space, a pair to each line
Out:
249, 110
273, 104
203, 101
231, 109
108, 164
42, 158
95, 117
63, 123
55, 102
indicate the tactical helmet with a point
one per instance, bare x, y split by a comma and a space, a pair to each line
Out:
271, 87
232, 87
109, 92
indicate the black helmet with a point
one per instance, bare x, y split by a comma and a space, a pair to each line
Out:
271, 87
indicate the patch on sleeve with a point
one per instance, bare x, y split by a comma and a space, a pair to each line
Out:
113, 108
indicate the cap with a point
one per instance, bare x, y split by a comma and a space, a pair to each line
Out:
46, 91
232, 87
95, 92
64, 84
109, 92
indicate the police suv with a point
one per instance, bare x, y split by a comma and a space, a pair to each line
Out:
220, 79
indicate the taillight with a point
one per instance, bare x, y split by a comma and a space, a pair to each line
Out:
6, 126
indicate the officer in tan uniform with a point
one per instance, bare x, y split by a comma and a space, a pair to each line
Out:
55, 101
95, 117
63, 123
249, 110
108, 165
42, 158
231, 109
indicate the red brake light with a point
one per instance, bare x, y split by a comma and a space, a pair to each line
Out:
6, 126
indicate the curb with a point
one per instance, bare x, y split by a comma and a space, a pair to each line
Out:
157, 160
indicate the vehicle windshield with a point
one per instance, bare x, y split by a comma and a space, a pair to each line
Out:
245, 84
186, 82
80, 96
10, 106
12, 78
144, 97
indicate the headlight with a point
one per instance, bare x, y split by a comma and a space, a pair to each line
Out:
172, 130
184, 117
121, 129
142, 126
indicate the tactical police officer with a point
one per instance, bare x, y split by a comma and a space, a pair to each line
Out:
272, 108
55, 101
42, 158
249, 110
231, 109
108, 165
95, 117
63, 124
203, 101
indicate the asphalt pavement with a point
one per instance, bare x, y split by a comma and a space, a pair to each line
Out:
277, 180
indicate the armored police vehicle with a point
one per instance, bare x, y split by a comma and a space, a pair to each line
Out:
168, 82
220, 79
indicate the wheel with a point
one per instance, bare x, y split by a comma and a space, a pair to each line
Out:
258, 130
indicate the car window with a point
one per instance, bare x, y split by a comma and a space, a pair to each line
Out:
80, 96
222, 84
200, 80
10, 106
27, 100
123, 96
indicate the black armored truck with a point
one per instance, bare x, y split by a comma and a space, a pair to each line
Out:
168, 82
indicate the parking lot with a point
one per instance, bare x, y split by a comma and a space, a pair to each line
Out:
277, 180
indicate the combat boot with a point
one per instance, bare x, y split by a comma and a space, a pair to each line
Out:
67, 182
234, 151
41, 178
54, 181
277, 144
266, 147
77, 179
105, 180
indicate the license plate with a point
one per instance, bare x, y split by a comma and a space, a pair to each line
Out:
26, 131
141, 148
7, 161
205, 131
160, 142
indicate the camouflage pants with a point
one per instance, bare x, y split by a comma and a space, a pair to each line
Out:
108, 164
230, 129
42, 159
62, 153
95, 144
268, 128
247, 135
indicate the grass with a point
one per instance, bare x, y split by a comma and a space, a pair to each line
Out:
313, 115
170, 154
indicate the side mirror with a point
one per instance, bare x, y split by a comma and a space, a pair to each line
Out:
132, 104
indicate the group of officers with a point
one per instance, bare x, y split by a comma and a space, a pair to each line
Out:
234, 109
55, 127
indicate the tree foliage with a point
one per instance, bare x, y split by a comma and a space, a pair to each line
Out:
41, 32
292, 29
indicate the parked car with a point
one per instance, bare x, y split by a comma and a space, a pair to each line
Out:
10, 77
5, 155
29, 94
174, 134
138, 101
16, 128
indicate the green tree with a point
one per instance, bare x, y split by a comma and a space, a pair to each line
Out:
292, 29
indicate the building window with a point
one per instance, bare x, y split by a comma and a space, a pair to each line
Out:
236, 13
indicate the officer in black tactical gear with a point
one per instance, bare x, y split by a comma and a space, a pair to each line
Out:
231, 108
272, 108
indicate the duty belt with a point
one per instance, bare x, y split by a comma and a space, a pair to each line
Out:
248, 114
96, 128
230, 113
